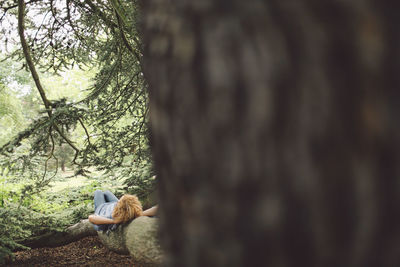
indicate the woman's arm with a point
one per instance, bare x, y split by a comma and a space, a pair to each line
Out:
95, 219
150, 212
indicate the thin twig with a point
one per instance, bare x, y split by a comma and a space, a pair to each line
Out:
86, 131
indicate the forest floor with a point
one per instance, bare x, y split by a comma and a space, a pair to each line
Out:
88, 251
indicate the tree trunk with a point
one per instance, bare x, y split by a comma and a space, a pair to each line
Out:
63, 165
55, 239
275, 131
137, 238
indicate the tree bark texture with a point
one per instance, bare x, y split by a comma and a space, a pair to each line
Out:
275, 131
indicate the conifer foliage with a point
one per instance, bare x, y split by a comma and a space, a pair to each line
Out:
59, 34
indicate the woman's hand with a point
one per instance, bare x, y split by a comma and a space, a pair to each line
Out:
151, 212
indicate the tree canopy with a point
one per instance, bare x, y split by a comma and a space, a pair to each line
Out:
59, 35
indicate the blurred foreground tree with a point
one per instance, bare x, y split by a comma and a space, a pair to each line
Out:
275, 131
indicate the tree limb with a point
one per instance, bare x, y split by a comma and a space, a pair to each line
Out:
35, 75
29, 61
59, 238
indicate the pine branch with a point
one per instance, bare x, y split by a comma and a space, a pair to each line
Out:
6, 9
124, 40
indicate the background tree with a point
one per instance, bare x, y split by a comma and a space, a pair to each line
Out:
275, 131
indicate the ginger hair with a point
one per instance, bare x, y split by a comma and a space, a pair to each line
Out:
127, 208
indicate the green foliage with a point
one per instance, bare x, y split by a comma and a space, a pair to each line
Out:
18, 223
11, 117
140, 179
24, 216
11, 229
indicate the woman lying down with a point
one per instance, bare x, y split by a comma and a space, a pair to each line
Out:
109, 211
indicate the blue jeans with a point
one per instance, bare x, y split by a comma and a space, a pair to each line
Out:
101, 197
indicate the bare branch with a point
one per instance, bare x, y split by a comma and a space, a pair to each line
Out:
35, 76
29, 61
86, 131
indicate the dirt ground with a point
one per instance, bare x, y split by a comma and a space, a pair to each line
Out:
88, 251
